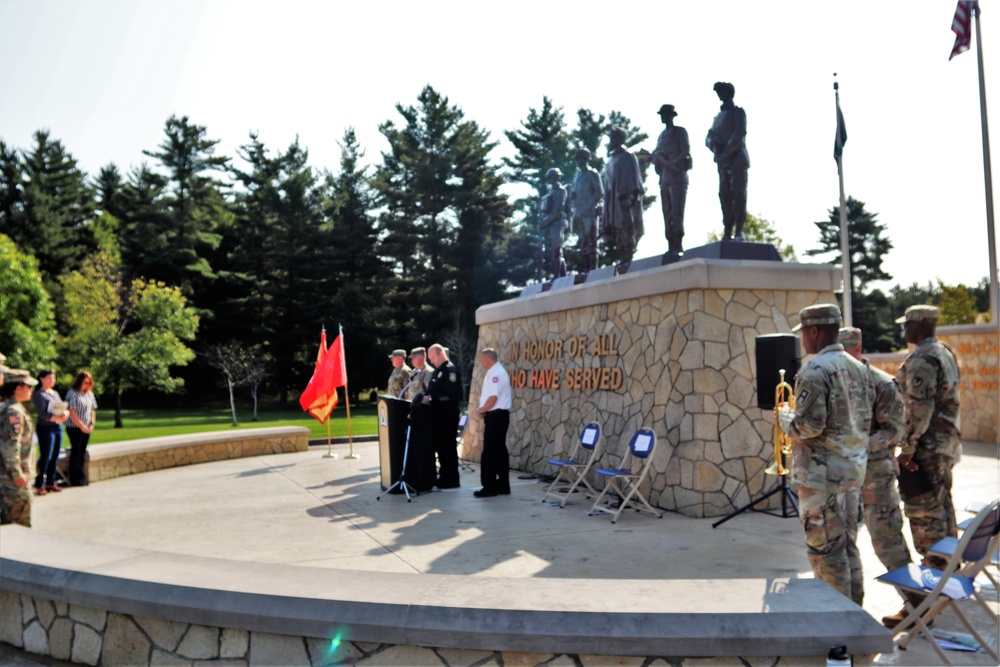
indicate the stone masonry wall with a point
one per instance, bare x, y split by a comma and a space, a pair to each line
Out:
145, 461
682, 363
88, 636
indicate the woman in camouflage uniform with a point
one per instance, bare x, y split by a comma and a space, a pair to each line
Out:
16, 429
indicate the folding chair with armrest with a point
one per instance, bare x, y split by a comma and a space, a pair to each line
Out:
956, 582
576, 468
641, 446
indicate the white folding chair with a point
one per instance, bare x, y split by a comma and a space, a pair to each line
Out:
945, 588
641, 447
575, 468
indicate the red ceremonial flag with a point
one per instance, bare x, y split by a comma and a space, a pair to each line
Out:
961, 25
320, 396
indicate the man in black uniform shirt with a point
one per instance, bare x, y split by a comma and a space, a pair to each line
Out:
444, 395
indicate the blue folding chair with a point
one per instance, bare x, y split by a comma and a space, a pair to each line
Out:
575, 468
945, 588
641, 447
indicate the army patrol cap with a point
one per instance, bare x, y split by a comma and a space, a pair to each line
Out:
398, 353
18, 376
422, 351
920, 314
824, 313
849, 336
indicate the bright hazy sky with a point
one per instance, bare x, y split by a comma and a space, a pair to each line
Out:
104, 75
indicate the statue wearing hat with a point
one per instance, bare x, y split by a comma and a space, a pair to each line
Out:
727, 140
400, 373
623, 190
586, 195
929, 378
672, 160
16, 461
552, 221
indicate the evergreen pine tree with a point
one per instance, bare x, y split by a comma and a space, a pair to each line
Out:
442, 210
49, 210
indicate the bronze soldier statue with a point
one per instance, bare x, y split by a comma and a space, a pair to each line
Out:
586, 195
623, 190
727, 140
672, 159
552, 221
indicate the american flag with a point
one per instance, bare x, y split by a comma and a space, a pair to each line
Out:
961, 25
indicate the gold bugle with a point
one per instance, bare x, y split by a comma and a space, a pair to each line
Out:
783, 395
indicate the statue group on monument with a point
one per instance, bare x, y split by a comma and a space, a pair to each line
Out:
615, 197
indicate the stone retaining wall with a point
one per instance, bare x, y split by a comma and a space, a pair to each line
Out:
129, 457
88, 636
671, 348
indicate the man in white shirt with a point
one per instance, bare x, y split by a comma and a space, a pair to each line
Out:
494, 409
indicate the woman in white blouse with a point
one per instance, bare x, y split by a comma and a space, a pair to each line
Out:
82, 417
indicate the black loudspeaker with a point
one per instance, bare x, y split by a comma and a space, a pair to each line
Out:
775, 352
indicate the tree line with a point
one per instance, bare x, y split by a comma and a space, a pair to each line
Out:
191, 254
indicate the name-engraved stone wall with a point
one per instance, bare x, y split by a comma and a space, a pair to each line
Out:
671, 348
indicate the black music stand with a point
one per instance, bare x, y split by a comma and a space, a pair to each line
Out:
787, 498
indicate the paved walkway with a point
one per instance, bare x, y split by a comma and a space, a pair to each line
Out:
303, 509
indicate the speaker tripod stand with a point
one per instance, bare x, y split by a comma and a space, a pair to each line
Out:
787, 498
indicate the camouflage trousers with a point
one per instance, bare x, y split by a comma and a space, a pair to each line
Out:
932, 514
15, 503
883, 516
830, 521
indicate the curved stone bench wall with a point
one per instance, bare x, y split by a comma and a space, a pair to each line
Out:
98, 604
128, 457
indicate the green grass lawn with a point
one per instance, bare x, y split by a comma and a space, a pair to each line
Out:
151, 423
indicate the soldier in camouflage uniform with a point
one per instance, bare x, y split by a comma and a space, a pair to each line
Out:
829, 427
16, 462
420, 376
400, 373
879, 494
929, 379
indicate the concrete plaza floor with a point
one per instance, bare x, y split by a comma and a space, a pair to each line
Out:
304, 509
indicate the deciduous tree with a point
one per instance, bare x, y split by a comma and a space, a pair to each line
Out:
27, 325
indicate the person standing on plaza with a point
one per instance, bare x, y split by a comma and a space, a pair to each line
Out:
494, 410
400, 373
420, 377
879, 494
51, 415
16, 431
929, 378
829, 427
444, 396
82, 417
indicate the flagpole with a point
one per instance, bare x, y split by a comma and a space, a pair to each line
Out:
988, 175
844, 244
347, 401
329, 442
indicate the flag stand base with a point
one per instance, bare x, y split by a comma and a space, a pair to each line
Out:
352, 455
330, 456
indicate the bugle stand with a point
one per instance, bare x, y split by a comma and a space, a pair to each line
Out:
782, 446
